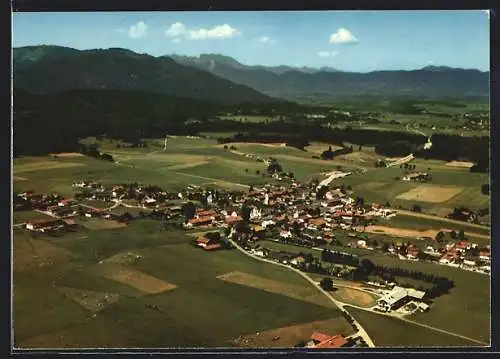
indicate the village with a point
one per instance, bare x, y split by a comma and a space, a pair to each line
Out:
324, 223
306, 216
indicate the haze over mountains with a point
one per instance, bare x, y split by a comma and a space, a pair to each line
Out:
218, 78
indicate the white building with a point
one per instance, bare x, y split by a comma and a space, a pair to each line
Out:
399, 296
255, 213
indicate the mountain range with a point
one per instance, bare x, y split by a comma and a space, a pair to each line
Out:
291, 83
52, 69
222, 79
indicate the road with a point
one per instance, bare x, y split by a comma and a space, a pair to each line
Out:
361, 331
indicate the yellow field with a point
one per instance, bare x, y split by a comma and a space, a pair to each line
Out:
354, 296
302, 293
67, 154
188, 165
129, 276
460, 164
43, 165
431, 193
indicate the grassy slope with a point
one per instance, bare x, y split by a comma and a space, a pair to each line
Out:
202, 311
390, 332
460, 311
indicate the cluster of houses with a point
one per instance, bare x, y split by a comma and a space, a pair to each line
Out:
302, 214
466, 255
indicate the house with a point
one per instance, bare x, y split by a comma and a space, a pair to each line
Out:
149, 202
462, 245
412, 252
419, 176
206, 213
361, 243
206, 243
286, 234
255, 213
470, 262
200, 221
267, 223
317, 222
484, 255
423, 306
230, 220
44, 225
398, 297
324, 341
65, 202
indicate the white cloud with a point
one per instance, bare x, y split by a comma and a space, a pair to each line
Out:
138, 30
218, 32
343, 36
328, 53
266, 40
176, 40
177, 29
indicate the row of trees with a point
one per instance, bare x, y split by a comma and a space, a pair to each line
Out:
339, 258
329, 154
41, 127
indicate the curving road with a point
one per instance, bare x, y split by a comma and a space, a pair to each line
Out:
361, 331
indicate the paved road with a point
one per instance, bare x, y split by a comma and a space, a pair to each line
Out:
361, 331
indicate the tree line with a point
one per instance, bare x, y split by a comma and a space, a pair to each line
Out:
55, 123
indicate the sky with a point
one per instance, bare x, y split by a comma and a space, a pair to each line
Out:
358, 41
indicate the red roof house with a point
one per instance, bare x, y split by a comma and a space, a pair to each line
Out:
327, 341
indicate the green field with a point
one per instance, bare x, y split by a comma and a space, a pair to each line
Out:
459, 311
203, 310
24, 216
391, 332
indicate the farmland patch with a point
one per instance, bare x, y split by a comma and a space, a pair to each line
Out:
269, 285
90, 300
287, 337
67, 154
141, 281
430, 193
43, 165
354, 296
98, 224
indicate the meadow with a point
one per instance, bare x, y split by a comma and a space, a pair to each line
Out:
202, 310
391, 332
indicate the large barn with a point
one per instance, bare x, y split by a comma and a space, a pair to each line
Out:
398, 297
